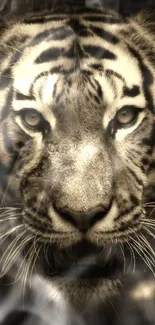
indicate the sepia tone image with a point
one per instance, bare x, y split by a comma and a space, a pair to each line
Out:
77, 162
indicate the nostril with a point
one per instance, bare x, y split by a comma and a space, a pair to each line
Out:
82, 220
79, 220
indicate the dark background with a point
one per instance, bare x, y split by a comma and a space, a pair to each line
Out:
126, 7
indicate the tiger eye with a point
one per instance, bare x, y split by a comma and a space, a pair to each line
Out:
126, 115
31, 118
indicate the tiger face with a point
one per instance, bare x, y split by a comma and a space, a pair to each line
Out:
76, 130
85, 172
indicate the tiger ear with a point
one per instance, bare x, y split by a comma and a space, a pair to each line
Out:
146, 18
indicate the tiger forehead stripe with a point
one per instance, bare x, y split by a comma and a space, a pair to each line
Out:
76, 151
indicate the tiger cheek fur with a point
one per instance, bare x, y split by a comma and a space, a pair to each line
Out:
77, 134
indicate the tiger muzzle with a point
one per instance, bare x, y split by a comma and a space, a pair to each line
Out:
84, 221
82, 191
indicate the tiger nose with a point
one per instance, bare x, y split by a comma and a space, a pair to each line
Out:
83, 220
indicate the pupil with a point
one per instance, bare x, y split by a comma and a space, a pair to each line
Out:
32, 118
125, 113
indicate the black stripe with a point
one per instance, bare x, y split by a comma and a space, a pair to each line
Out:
92, 82
58, 97
71, 54
150, 142
131, 92
58, 69
85, 33
75, 52
99, 52
50, 54
134, 199
43, 19
41, 36
16, 39
59, 33
97, 67
149, 151
95, 98
38, 224
20, 96
16, 56
37, 216
77, 26
44, 73
107, 36
135, 164
145, 161
146, 142
5, 110
115, 74
99, 91
5, 78
124, 213
135, 176
147, 78
55, 90
103, 19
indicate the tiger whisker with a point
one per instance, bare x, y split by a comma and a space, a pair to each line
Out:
142, 246
9, 232
133, 258
148, 221
46, 251
8, 260
33, 265
149, 225
8, 219
144, 250
26, 269
36, 238
147, 254
9, 208
149, 232
145, 241
148, 203
9, 212
144, 259
15, 216
124, 258
20, 270
139, 244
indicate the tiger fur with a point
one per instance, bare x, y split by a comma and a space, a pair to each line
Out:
76, 148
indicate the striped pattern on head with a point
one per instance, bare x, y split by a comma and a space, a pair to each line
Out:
77, 120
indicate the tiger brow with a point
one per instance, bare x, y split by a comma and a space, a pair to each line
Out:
20, 96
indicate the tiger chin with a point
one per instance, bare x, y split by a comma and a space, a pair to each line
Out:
76, 149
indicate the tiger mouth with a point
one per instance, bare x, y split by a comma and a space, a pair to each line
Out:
82, 261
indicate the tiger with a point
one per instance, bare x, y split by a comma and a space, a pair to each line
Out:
77, 150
